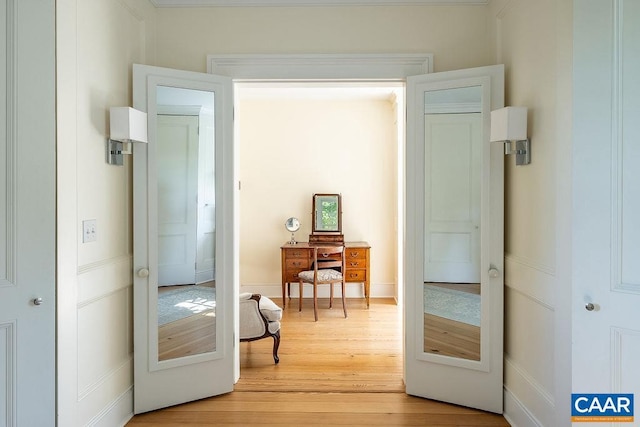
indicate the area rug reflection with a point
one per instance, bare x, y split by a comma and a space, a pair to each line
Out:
452, 304
185, 301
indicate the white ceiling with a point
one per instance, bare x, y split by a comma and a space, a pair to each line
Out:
259, 3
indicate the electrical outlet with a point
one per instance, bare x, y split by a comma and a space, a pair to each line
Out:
89, 230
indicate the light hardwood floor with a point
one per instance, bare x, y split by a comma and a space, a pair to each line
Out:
189, 335
448, 337
335, 371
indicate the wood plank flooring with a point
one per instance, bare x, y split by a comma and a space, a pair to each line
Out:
335, 371
448, 337
187, 336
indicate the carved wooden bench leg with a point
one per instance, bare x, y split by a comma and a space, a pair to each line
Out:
276, 345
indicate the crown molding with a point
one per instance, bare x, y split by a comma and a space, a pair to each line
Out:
315, 3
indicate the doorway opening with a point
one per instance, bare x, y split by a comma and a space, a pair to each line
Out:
297, 138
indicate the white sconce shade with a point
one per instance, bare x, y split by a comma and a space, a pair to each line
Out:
509, 125
128, 125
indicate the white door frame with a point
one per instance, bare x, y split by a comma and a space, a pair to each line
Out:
374, 68
331, 67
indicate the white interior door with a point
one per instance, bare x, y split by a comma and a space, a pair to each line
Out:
606, 205
453, 143
27, 214
177, 158
206, 255
188, 372
471, 377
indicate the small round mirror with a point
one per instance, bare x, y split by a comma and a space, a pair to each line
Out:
292, 225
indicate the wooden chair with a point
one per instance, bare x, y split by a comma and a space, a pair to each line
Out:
326, 262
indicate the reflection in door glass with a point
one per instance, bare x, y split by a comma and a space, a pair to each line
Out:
186, 222
451, 289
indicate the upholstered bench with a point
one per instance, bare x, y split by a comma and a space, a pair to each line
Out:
260, 318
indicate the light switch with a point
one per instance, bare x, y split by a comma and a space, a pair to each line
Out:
89, 230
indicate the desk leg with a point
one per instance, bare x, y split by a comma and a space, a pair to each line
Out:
367, 290
367, 283
284, 295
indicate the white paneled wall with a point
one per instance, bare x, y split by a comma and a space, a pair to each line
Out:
536, 203
97, 43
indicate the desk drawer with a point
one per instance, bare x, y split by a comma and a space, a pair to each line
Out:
356, 254
291, 276
298, 264
356, 275
297, 253
356, 263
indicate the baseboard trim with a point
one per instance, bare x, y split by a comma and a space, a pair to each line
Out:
354, 290
118, 413
516, 413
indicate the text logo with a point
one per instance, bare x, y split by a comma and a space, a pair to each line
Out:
602, 407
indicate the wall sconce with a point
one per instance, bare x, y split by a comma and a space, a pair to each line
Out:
509, 125
127, 125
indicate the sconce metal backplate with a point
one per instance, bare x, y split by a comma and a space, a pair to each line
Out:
521, 149
115, 152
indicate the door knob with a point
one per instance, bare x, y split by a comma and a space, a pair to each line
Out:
590, 306
494, 272
143, 272
37, 301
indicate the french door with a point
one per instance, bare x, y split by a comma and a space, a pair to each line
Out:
165, 186
454, 223
472, 380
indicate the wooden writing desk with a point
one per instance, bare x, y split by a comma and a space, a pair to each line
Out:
298, 257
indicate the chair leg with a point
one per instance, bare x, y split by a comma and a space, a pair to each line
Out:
344, 301
276, 345
300, 299
315, 301
330, 295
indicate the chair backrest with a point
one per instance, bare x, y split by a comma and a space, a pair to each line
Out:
325, 257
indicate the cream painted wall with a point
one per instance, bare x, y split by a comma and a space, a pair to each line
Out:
534, 42
96, 44
456, 35
291, 149
98, 40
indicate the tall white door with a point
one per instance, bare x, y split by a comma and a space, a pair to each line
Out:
202, 365
177, 158
453, 145
27, 213
470, 377
205, 254
606, 204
